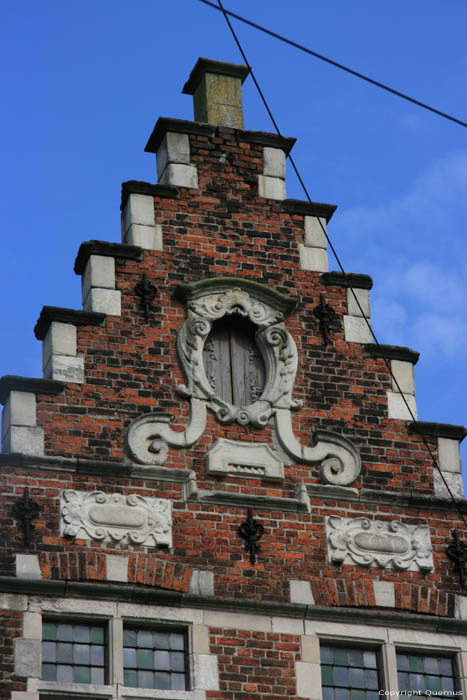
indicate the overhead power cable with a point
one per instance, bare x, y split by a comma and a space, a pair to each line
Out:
296, 45
357, 301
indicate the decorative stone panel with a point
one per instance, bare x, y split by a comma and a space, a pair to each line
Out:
254, 460
391, 545
116, 517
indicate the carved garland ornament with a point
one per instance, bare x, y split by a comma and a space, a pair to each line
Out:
150, 436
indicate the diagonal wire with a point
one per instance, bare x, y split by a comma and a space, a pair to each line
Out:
362, 76
388, 365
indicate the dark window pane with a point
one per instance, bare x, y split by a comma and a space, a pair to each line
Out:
144, 639
65, 652
129, 658
432, 683
371, 679
417, 681
161, 640
97, 675
402, 662
49, 672
416, 664
81, 633
328, 694
341, 676
49, 631
162, 660
144, 659
65, 633
373, 695
97, 655
358, 695
326, 675
82, 674
369, 659
447, 684
431, 665
49, 651
129, 638
65, 674
162, 680
342, 694
145, 679
340, 656
445, 667
326, 655
177, 641
177, 661
403, 680
81, 654
97, 635
178, 681
357, 678
355, 657
130, 678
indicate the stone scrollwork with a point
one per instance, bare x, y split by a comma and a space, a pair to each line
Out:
116, 517
367, 542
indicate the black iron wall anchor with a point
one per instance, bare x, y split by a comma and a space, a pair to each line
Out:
457, 553
326, 315
251, 532
26, 511
146, 292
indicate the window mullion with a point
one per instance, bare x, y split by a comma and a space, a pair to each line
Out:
116, 651
388, 653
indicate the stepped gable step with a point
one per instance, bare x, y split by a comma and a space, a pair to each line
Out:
265, 138
177, 126
138, 187
304, 208
392, 352
335, 278
73, 316
110, 250
442, 430
10, 382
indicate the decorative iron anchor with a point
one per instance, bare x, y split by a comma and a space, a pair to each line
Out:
146, 292
457, 553
251, 532
326, 315
26, 511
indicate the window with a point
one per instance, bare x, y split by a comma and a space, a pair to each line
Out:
74, 652
155, 659
233, 362
417, 672
349, 673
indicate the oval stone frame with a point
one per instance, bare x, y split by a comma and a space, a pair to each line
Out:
212, 299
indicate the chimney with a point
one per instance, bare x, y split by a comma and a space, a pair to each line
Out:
217, 92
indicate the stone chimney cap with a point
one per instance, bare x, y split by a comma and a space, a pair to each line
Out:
206, 65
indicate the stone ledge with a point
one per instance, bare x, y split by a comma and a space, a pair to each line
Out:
393, 498
10, 382
304, 208
335, 278
62, 315
152, 596
178, 126
443, 430
265, 138
107, 249
240, 500
392, 352
139, 187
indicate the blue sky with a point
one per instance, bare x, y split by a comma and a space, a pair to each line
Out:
83, 84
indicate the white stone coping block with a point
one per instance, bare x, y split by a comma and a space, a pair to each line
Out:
242, 621
308, 680
449, 455
301, 593
454, 482
397, 407
403, 373
99, 272
313, 259
174, 148
139, 209
106, 301
60, 339
147, 237
271, 187
65, 368
116, 568
314, 236
24, 439
28, 657
356, 330
287, 625
27, 566
274, 162
19, 409
385, 596
180, 176
363, 297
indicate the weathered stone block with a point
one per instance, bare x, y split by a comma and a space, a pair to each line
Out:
271, 187
454, 482
106, 301
384, 594
26, 440
397, 407
310, 649
287, 625
449, 455
147, 237
308, 680
200, 639
13, 601
20, 409
301, 593
27, 566
206, 672
180, 175
363, 297
313, 259
60, 340
65, 369
404, 374
174, 148
28, 658
99, 272
314, 235
243, 621
32, 625
356, 330
274, 162
139, 209
116, 568
202, 583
